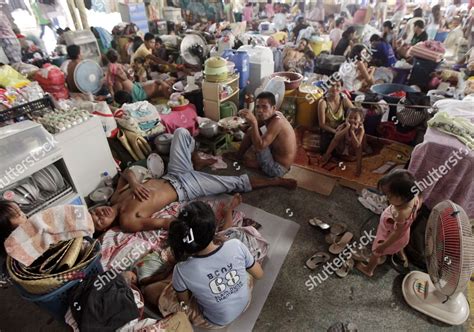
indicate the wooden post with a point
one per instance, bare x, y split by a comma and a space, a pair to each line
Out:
83, 14
72, 9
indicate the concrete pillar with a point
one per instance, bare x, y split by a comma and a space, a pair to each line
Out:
83, 14
72, 10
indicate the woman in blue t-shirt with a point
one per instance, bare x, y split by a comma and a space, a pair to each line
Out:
382, 52
211, 283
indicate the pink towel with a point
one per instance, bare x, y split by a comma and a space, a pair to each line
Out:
33, 238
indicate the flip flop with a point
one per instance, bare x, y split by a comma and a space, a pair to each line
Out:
317, 259
346, 267
337, 247
361, 255
338, 228
331, 238
315, 222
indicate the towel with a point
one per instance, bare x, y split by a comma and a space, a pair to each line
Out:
459, 127
34, 237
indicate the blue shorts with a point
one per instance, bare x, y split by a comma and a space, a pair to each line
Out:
269, 166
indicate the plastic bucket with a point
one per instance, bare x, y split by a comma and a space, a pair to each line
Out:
307, 108
241, 60
388, 88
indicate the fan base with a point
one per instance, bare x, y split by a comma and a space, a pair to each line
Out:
421, 294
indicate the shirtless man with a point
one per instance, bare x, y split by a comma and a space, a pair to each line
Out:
132, 208
275, 143
122, 87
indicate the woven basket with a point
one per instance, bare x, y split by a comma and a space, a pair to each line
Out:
37, 283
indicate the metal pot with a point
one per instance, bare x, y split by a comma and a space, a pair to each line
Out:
163, 143
208, 129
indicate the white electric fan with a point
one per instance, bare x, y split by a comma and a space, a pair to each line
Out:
194, 48
449, 247
88, 77
275, 85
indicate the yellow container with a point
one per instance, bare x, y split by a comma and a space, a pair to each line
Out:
307, 106
320, 46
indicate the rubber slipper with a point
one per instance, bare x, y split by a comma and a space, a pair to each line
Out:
331, 238
346, 267
317, 259
338, 228
315, 222
361, 255
337, 247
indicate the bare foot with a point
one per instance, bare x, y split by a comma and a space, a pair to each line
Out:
234, 156
200, 163
251, 163
364, 269
287, 183
234, 202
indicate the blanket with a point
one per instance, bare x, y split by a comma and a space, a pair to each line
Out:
60, 223
121, 251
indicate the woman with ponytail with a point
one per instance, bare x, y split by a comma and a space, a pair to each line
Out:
212, 283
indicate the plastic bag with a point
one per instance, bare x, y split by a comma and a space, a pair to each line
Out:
105, 115
9, 77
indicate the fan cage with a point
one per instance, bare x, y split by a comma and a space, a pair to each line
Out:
451, 262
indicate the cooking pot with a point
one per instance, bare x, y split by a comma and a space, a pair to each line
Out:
208, 129
163, 143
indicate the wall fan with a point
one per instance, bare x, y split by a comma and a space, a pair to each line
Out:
449, 247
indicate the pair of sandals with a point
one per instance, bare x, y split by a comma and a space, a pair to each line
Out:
338, 239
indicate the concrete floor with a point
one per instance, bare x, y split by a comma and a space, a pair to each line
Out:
373, 304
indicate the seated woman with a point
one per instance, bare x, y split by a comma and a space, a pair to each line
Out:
211, 283
296, 59
345, 43
382, 52
331, 113
355, 72
349, 140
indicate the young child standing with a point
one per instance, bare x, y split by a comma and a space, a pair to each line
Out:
349, 139
211, 283
393, 232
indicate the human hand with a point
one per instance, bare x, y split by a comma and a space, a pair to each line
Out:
248, 116
140, 191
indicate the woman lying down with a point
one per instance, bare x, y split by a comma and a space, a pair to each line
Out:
211, 280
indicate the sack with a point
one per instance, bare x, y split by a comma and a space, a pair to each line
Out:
141, 118
415, 249
50, 75
412, 117
103, 112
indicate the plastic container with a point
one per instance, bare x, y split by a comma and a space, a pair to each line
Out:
388, 88
56, 302
241, 60
320, 44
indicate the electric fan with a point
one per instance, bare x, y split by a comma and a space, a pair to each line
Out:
88, 77
194, 48
275, 85
449, 250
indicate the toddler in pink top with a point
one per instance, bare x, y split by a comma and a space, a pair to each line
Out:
393, 232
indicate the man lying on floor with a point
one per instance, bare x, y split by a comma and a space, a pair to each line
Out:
271, 136
132, 208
